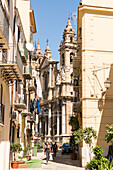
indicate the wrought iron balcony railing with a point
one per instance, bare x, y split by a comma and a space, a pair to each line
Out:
11, 66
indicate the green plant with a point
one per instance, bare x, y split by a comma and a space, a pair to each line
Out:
105, 166
88, 134
73, 121
109, 133
78, 136
98, 161
16, 147
27, 150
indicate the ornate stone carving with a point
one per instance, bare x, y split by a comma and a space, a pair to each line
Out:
63, 75
58, 79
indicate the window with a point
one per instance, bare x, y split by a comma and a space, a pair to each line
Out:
1, 95
39, 61
63, 60
80, 31
14, 24
46, 82
18, 34
71, 57
71, 39
8, 1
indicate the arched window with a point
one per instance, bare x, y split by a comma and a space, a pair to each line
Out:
46, 82
71, 58
63, 60
71, 39
39, 61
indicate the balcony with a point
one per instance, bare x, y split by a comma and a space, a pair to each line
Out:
25, 113
32, 86
31, 120
20, 102
11, 67
24, 53
2, 111
27, 72
4, 29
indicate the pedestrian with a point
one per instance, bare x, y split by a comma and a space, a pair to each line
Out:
55, 149
110, 153
47, 150
51, 145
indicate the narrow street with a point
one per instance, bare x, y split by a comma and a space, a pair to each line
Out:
61, 162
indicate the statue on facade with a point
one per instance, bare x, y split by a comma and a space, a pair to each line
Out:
63, 75
58, 79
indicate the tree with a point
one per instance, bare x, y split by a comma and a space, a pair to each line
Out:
109, 133
78, 136
16, 147
88, 134
73, 121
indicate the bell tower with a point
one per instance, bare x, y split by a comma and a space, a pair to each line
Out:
67, 52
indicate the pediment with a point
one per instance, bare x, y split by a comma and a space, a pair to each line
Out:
44, 63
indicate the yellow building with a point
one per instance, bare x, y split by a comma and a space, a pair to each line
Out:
93, 67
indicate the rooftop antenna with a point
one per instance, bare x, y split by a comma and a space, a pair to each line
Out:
47, 41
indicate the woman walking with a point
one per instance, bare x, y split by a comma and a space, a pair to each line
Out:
47, 150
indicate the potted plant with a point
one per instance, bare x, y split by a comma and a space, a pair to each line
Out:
109, 133
78, 137
73, 121
98, 162
27, 152
15, 148
88, 134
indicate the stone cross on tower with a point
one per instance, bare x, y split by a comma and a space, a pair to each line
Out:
47, 42
37, 41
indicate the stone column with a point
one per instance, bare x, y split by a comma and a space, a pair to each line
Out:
40, 127
49, 121
50, 76
63, 119
58, 125
45, 126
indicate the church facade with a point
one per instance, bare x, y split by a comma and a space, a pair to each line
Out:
57, 89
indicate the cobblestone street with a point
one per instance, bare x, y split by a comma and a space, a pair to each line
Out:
61, 162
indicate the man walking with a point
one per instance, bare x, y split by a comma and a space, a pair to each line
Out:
110, 153
55, 149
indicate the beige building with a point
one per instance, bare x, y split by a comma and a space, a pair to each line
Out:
93, 66
57, 89
16, 30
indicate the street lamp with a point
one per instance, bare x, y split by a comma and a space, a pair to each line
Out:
107, 84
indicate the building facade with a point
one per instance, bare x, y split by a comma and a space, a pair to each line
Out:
17, 123
57, 89
92, 67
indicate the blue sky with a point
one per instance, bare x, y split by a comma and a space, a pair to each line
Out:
51, 17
